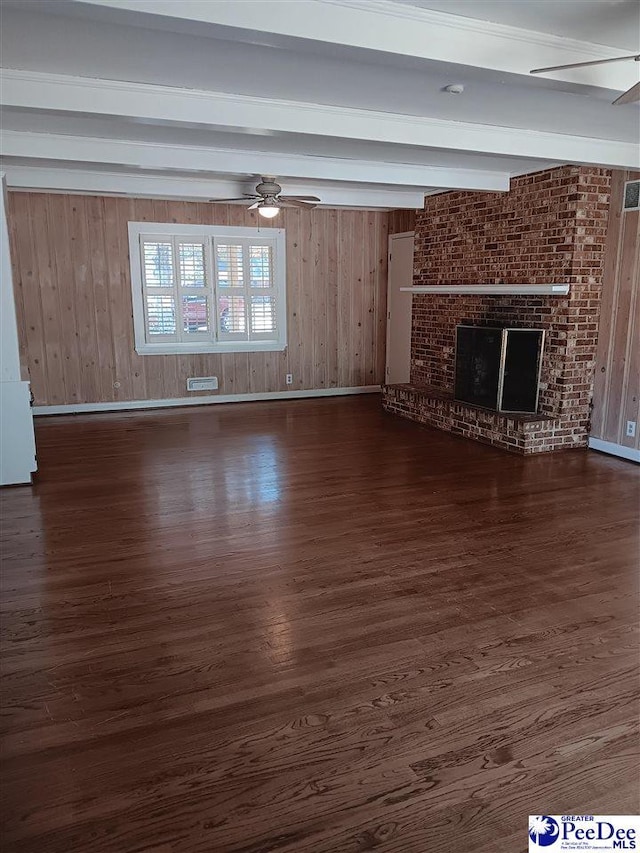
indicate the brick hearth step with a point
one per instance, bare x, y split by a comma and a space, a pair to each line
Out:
525, 434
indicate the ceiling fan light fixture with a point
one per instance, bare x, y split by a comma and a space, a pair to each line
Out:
269, 208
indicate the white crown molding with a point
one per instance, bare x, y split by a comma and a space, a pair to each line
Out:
87, 182
478, 26
156, 155
42, 91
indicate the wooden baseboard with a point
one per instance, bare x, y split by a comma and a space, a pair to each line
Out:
126, 405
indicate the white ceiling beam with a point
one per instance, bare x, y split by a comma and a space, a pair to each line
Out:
149, 155
40, 178
392, 28
89, 96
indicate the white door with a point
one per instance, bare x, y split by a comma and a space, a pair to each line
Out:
399, 308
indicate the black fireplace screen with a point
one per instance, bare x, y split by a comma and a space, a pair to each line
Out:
498, 368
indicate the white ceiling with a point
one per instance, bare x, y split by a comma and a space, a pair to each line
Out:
341, 94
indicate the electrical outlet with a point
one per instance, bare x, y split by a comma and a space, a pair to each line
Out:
289, 378
631, 429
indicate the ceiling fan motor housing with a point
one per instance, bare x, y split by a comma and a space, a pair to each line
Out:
268, 188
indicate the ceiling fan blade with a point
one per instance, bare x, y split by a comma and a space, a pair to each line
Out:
254, 205
299, 197
293, 202
239, 198
635, 56
628, 97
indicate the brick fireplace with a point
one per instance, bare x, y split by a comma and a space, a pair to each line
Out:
550, 228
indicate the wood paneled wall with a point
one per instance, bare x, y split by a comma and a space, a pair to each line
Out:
401, 221
73, 294
616, 397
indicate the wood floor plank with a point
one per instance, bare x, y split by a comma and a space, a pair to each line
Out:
308, 627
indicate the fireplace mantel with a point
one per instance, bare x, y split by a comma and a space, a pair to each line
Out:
492, 289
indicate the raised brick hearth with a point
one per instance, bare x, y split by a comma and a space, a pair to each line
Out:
518, 433
550, 228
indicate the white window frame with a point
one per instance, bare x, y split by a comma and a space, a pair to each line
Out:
211, 234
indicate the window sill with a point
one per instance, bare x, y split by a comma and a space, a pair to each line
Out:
229, 347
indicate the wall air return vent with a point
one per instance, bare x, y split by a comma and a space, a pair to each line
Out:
202, 383
631, 195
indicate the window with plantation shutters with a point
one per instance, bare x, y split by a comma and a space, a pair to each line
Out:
207, 288
246, 289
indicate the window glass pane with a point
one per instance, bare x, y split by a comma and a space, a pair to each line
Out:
260, 264
158, 264
191, 261
195, 314
229, 264
231, 313
263, 314
161, 314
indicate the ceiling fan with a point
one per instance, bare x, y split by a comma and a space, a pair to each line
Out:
632, 94
268, 200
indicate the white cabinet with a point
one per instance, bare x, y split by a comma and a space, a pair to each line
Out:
17, 441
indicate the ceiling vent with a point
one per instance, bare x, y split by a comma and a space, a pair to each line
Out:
631, 195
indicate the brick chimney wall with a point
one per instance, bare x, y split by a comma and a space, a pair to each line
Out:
549, 229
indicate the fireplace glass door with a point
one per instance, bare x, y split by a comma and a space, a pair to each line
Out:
478, 357
498, 368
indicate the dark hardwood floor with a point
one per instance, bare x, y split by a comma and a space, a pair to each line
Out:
310, 627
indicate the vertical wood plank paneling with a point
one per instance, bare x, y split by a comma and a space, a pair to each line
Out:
400, 221
357, 299
331, 287
69, 277
98, 282
73, 288
139, 364
382, 254
294, 347
19, 301
121, 308
345, 237
370, 270
616, 397
28, 297
79, 269
52, 326
307, 283
318, 299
